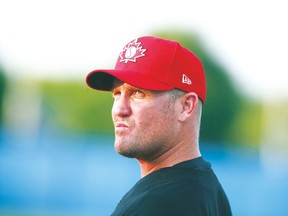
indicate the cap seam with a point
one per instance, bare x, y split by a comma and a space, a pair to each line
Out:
171, 80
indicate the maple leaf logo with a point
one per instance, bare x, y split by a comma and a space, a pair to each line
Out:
132, 51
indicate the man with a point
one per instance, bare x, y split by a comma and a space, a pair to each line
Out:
159, 88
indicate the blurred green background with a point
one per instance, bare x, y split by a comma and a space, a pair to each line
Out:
56, 134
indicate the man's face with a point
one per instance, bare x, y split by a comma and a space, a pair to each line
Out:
145, 122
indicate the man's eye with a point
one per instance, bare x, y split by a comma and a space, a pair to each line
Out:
138, 93
116, 94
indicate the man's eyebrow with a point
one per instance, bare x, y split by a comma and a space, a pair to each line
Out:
130, 88
134, 88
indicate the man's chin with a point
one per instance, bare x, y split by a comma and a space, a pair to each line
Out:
125, 152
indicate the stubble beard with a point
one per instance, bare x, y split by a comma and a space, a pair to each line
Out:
144, 145
148, 143
137, 147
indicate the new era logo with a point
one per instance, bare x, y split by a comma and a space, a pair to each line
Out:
186, 80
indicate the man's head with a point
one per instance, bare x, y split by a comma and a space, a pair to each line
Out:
157, 87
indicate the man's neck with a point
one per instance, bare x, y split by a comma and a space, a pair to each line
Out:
169, 158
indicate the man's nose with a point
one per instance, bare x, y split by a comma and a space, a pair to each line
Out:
121, 107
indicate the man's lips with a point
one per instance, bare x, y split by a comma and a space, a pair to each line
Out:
121, 125
121, 128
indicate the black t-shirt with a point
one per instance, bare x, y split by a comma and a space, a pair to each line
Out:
188, 188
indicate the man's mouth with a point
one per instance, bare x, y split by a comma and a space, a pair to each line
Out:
121, 125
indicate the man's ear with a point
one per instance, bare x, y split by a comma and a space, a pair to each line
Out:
189, 102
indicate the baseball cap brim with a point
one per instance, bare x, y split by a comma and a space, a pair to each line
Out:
104, 80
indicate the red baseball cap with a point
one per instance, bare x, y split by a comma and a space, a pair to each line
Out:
153, 63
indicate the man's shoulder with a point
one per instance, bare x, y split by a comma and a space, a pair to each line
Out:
169, 191
187, 179
158, 201
189, 188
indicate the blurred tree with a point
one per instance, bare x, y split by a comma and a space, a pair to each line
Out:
2, 90
71, 105
248, 126
223, 100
